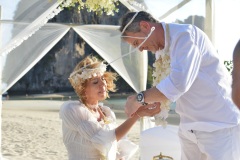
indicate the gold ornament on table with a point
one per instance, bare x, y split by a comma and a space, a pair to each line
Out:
162, 157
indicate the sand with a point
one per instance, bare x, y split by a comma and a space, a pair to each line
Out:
31, 129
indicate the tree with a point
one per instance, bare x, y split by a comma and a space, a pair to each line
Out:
229, 66
97, 6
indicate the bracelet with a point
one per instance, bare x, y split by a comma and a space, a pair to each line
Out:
138, 115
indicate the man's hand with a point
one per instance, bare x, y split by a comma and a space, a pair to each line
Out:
148, 110
131, 105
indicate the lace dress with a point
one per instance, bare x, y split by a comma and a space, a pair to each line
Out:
87, 139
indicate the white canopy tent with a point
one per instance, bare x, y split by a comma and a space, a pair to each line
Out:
26, 37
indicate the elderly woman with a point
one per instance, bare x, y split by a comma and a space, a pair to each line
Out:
89, 127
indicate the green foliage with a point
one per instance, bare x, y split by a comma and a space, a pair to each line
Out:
149, 76
229, 66
98, 6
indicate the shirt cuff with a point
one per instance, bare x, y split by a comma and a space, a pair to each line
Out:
168, 89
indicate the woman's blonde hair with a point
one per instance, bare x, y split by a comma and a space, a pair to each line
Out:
78, 81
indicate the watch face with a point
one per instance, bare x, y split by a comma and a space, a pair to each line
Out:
140, 97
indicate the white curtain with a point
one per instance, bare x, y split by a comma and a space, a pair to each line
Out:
19, 61
21, 28
33, 13
106, 40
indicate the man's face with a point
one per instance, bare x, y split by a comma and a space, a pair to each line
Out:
153, 42
150, 44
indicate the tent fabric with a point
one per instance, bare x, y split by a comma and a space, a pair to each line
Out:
106, 40
21, 27
35, 14
19, 61
100, 37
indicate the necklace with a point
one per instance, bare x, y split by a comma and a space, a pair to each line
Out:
103, 117
97, 112
92, 106
161, 71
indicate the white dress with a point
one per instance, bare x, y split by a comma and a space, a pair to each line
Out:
87, 139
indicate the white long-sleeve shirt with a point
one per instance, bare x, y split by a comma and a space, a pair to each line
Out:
198, 81
87, 139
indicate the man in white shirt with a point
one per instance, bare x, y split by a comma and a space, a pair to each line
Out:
236, 75
198, 82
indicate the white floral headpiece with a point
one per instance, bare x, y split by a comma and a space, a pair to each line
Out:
87, 72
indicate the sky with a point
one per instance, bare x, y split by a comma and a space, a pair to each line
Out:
227, 24
7, 13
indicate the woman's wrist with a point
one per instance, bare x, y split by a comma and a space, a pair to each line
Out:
136, 115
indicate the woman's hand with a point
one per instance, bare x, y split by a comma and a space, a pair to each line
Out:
148, 110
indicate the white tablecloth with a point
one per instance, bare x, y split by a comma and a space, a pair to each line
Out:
159, 139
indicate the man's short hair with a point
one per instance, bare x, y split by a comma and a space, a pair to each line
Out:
134, 26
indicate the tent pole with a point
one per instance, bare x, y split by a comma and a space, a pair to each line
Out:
1, 65
210, 20
0, 26
1, 107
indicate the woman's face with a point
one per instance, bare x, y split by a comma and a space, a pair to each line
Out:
96, 89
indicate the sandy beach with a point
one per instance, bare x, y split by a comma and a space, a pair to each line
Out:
31, 129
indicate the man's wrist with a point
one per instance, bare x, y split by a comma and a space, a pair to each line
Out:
140, 98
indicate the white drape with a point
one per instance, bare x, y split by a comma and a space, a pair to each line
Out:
19, 42
106, 40
19, 61
35, 13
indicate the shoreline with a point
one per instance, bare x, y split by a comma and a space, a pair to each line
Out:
60, 96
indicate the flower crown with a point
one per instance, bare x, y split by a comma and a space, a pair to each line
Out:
86, 73
89, 72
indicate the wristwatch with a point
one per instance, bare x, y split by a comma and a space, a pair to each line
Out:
140, 98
